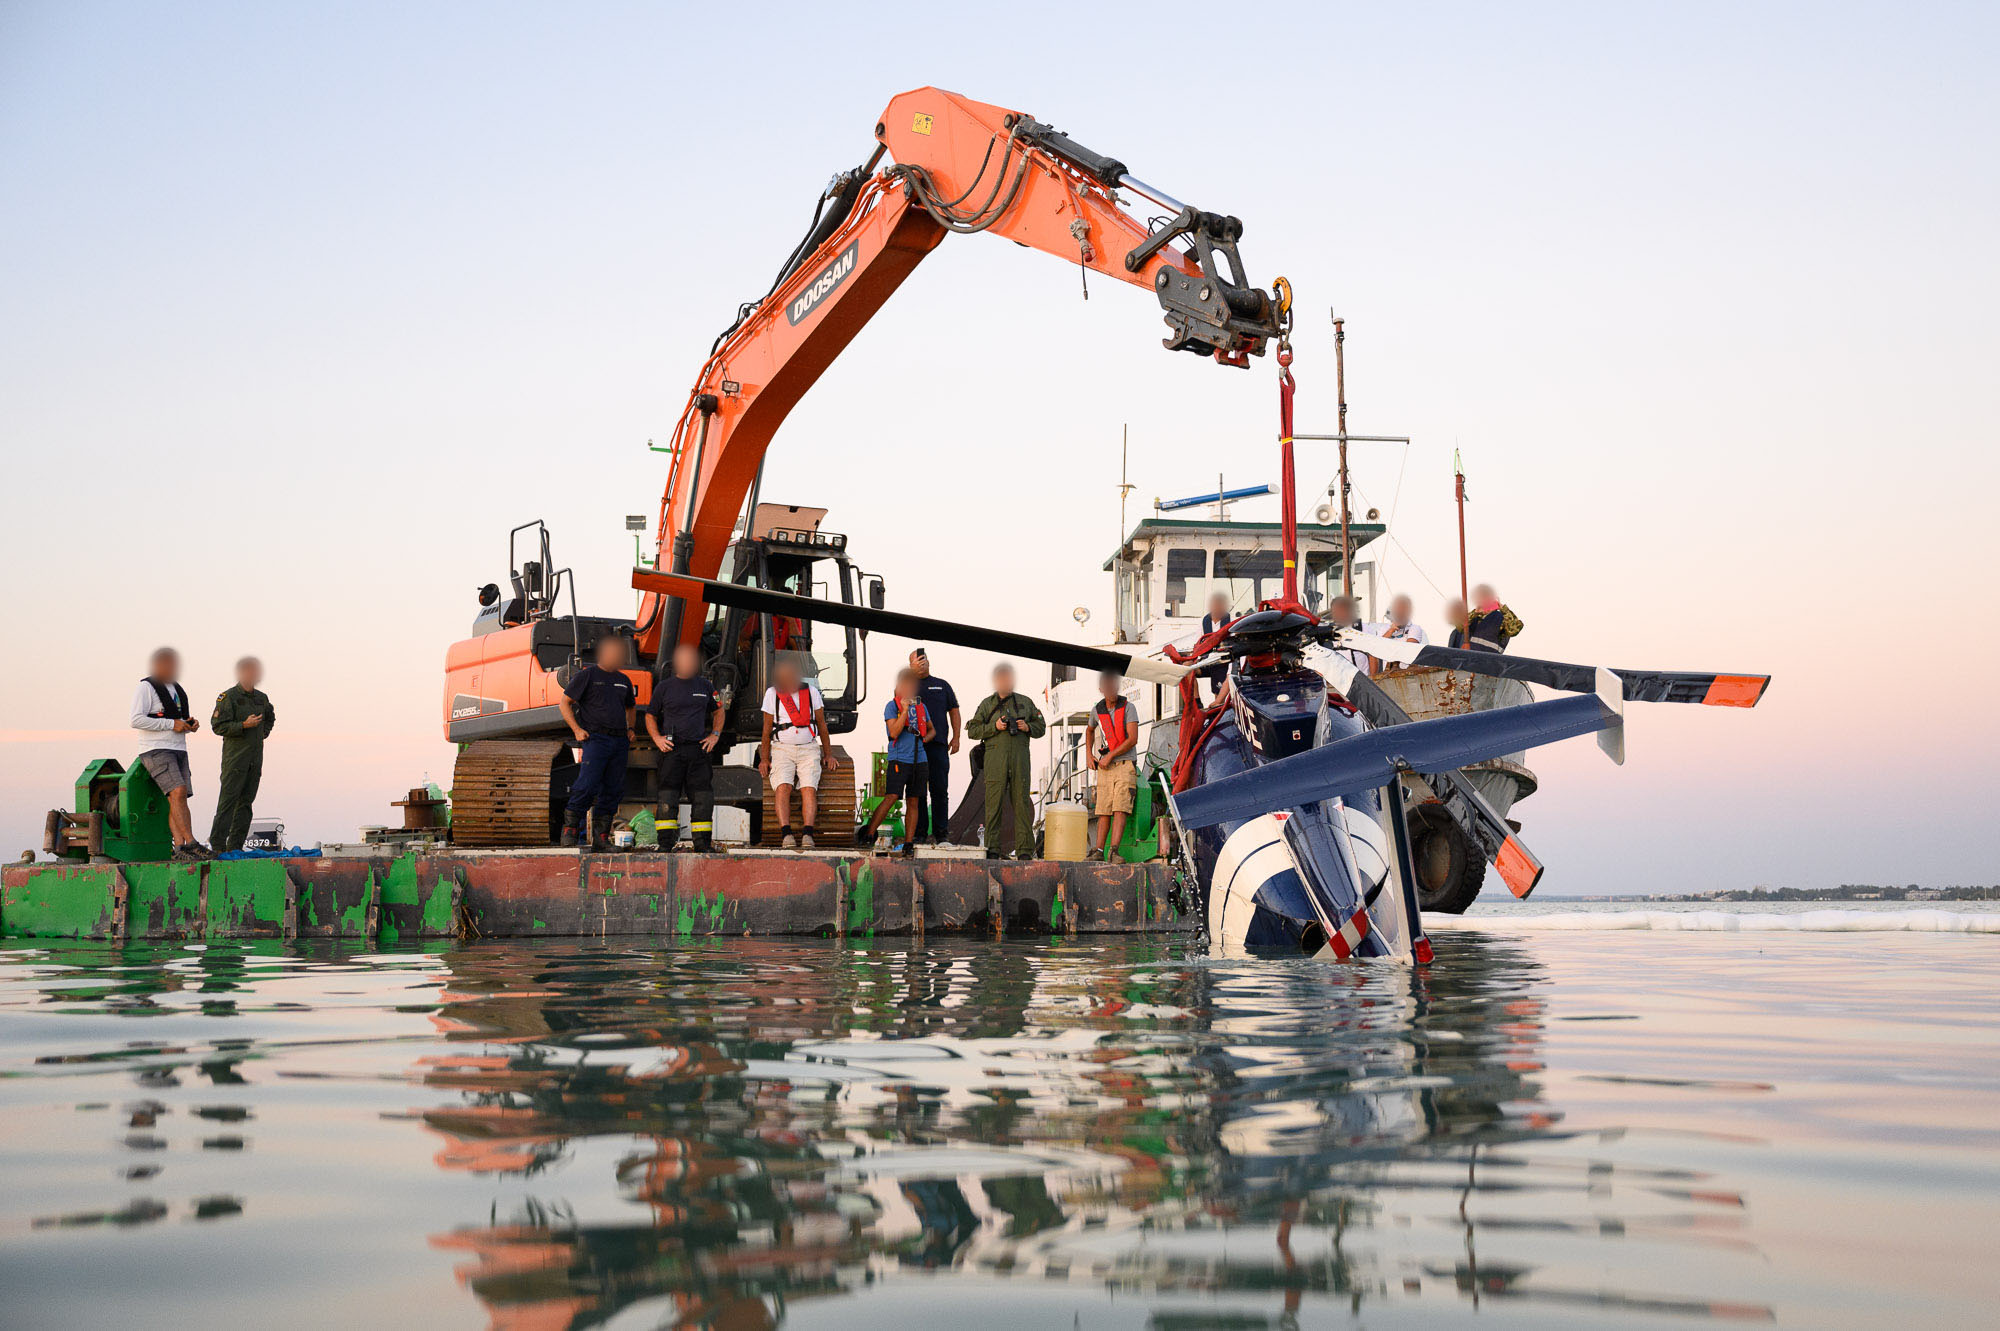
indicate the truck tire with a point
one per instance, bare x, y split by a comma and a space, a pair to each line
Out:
1448, 865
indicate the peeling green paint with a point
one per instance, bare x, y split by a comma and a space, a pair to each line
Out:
77, 904
438, 920
245, 897
857, 880
688, 916
540, 924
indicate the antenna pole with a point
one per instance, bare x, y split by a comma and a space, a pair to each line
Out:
1464, 597
1340, 394
1124, 478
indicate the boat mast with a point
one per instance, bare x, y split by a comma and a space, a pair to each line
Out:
1340, 395
1464, 597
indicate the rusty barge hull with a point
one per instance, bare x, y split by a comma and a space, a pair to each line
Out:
420, 895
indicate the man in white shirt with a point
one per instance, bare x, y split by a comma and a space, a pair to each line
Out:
160, 715
1401, 623
795, 749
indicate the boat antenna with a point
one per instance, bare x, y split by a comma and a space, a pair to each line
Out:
1464, 597
1340, 396
1125, 486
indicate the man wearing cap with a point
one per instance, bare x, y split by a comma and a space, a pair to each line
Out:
939, 702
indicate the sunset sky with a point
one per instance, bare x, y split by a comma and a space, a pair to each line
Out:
305, 307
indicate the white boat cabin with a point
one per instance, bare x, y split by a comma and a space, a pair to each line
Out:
1162, 578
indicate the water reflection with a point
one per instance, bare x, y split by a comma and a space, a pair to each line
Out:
793, 1125
715, 1135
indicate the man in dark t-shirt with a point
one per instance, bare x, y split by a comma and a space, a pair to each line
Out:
947, 729
597, 705
685, 722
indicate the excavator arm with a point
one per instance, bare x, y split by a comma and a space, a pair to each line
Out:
955, 165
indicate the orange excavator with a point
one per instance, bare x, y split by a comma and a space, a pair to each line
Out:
954, 165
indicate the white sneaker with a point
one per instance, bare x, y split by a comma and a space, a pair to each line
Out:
806, 841
789, 843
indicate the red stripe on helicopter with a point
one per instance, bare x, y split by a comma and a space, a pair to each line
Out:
1344, 942
1735, 690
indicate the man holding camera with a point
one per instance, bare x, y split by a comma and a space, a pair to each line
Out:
1005, 723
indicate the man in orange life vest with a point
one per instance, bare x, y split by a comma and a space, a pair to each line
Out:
795, 749
1111, 745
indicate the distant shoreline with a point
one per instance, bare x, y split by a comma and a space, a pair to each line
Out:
1846, 892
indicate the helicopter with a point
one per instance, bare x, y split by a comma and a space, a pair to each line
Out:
1287, 791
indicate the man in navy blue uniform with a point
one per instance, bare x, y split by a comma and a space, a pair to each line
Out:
940, 703
685, 722
598, 704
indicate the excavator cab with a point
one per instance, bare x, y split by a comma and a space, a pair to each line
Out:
786, 550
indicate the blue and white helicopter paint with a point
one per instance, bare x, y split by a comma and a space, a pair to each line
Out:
1288, 790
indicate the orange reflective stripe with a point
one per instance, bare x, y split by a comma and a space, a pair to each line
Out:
1517, 870
1735, 691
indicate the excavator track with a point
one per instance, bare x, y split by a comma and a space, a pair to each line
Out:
510, 792
834, 819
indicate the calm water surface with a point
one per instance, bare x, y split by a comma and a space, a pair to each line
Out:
1544, 1128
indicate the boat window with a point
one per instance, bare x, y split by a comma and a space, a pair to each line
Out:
1322, 580
1128, 600
1248, 577
1183, 565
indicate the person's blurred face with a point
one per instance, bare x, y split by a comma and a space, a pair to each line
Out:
1400, 610
919, 662
687, 660
906, 684
1218, 606
788, 676
1108, 682
1003, 680
249, 672
1483, 594
1342, 610
1454, 611
166, 665
610, 652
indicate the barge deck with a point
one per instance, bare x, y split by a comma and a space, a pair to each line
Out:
468, 894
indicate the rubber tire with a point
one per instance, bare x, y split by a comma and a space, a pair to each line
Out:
1450, 867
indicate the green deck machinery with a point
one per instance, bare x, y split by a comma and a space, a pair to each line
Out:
119, 815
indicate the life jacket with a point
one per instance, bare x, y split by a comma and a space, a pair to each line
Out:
172, 698
920, 717
1111, 721
799, 710
785, 631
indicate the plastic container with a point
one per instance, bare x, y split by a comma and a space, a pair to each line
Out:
1065, 832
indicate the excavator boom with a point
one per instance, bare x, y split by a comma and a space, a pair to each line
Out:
955, 165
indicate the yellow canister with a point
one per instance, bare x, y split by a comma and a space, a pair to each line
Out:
1065, 832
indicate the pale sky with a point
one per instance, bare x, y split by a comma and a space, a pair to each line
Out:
305, 308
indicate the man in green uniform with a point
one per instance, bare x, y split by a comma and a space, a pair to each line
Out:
1005, 723
243, 717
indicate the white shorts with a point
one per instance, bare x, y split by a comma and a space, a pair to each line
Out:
795, 765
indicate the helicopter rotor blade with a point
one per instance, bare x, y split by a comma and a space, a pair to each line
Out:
1520, 868
1684, 686
765, 601
1377, 757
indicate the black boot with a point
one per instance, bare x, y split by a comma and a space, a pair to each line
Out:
669, 837
569, 834
703, 843
600, 843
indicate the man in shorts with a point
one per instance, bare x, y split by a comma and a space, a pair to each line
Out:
1111, 742
910, 729
796, 748
160, 715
